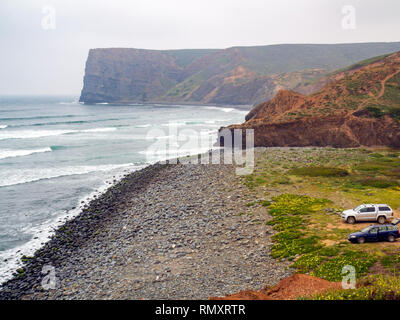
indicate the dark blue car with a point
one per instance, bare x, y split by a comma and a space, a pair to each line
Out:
374, 233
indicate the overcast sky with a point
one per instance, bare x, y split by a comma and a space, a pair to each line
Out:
44, 43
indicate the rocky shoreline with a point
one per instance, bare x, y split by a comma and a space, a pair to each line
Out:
168, 231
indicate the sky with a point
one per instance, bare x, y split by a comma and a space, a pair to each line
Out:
45, 43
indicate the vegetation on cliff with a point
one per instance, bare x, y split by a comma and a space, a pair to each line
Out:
357, 107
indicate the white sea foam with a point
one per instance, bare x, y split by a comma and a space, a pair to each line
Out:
75, 102
224, 109
228, 110
3, 126
29, 134
4, 154
171, 152
13, 177
174, 124
98, 130
43, 231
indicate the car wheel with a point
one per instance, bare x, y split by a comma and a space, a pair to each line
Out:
351, 220
361, 240
381, 220
391, 238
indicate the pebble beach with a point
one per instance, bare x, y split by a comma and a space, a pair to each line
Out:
168, 231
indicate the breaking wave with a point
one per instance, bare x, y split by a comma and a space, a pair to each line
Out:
20, 176
29, 134
4, 154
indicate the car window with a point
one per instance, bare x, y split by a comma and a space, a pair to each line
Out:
384, 209
373, 231
364, 210
371, 209
383, 228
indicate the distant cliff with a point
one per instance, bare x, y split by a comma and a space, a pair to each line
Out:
359, 106
238, 75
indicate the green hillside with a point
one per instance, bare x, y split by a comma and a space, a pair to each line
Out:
237, 75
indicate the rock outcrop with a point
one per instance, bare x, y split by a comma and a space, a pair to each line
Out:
360, 108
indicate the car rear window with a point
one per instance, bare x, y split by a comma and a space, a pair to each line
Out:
392, 228
384, 209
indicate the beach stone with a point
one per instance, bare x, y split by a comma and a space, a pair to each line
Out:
168, 231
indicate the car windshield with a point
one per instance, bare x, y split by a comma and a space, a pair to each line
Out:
358, 208
366, 229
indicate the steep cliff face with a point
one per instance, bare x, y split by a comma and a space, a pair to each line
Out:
113, 75
360, 108
239, 75
336, 131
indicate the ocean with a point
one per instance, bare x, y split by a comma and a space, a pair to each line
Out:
56, 154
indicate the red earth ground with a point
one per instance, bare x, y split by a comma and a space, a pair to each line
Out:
289, 288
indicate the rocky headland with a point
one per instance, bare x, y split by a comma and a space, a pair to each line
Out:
232, 76
169, 231
359, 106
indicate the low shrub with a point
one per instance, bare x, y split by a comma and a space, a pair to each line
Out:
390, 261
378, 183
378, 112
332, 269
377, 155
375, 112
320, 172
290, 214
265, 203
374, 287
329, 251
307, 262
288, 248
282, 223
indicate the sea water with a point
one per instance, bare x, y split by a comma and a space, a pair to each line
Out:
56, 154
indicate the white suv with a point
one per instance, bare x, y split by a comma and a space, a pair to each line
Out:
368, 212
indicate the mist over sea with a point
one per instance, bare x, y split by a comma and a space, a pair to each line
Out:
56, 153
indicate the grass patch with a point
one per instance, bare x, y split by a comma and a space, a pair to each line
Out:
332, 269
373, 287
265, 203
377, 183
295, 240
290, 213
319, 172
378, 112
308, 231
391, 261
